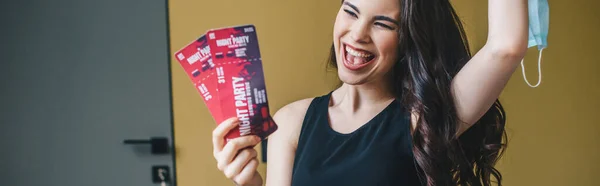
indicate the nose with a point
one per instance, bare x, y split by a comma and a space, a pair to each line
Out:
360, 32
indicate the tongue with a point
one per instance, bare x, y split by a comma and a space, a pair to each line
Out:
356, 60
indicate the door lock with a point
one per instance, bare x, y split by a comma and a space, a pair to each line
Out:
159, 145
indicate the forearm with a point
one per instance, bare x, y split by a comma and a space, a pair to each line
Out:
508, 25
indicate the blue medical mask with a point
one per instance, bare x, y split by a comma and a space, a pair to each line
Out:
538, 32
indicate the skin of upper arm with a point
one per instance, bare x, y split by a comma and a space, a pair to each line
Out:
282, 143
480, 82
477, 86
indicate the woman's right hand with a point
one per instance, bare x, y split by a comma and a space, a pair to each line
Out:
237, 159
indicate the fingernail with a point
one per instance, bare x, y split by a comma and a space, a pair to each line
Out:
257, 138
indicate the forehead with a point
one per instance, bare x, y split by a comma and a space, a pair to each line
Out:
389, 8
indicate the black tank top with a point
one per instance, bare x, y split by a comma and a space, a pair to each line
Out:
377, 153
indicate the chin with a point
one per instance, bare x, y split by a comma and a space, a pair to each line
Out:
351, 79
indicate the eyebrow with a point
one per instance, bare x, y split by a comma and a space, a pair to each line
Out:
379, 17
351, 6
385, 18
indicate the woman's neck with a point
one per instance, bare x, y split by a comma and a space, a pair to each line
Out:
364, 96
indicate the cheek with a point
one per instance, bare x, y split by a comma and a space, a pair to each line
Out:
340, 28
336, 25
341, 25
336, 31
390, 45
388, 49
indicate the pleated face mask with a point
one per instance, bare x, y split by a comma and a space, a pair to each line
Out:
538, 32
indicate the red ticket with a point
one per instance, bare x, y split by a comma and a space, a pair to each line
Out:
197, 62
241, 81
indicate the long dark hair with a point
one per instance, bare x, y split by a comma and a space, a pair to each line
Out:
432, 49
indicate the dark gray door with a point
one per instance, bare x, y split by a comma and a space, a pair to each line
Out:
77, 78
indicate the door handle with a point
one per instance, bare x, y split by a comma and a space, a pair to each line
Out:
159, 145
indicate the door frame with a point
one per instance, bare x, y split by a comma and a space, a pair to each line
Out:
170, 85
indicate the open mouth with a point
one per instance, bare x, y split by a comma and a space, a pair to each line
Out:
355, 59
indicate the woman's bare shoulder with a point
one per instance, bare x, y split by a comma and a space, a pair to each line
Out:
289, 120
284, 142
294, 110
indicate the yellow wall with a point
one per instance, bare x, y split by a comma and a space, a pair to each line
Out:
553, 129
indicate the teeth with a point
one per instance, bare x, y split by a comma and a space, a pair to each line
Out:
356, 53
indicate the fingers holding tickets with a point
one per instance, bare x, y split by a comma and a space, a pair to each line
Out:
236, 158
218, 135
234, 147
248, 174
240, 161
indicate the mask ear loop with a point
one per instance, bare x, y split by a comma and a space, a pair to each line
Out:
539, 71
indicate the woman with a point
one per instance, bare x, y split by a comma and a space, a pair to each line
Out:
414, 107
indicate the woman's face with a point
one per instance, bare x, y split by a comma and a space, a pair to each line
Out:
365, 38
